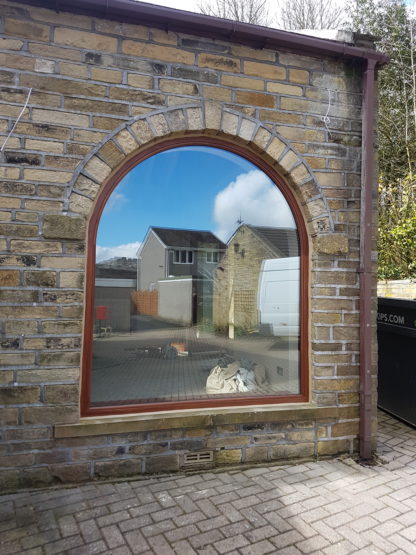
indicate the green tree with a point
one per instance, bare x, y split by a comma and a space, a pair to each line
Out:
391, 22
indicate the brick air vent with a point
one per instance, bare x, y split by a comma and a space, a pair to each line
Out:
196, 459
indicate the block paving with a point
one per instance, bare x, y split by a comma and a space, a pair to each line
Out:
329, 506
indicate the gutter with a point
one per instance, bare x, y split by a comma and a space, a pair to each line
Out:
171, 19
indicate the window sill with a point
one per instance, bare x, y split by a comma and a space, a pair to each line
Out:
193, 418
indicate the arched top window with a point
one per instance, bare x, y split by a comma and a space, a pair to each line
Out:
196, 293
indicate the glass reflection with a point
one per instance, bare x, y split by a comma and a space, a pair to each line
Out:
200, 296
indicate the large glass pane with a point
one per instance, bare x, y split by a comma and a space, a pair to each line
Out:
197, 283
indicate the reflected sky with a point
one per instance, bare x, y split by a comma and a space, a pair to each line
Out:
194, 187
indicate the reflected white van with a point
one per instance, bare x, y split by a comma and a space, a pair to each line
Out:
278, 296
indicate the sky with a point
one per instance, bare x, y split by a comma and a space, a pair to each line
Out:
189, 188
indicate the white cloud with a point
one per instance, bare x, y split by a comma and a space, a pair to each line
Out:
115, 202
128, 250
255, 199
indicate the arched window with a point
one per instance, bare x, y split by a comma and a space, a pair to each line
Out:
197, 285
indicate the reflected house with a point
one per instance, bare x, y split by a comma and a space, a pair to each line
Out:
236, 279
115, 280
175, 268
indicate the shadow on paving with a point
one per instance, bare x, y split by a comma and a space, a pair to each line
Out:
331, 507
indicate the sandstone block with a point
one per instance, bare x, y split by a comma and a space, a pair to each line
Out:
128, 467
176, 120
68, 358
255, 99
156, 52
304, 435
65, 118
289, 160
9, 278
336, 384
140, 81
178, 87
159, 124
44, 66
333, 447
63, 227
21, 327
242, 82
300, 174
290, 451
49, 375
228, 456
126, 141
217, 93
28, 312
10, 44
221, 63
142, 131
194, 116
18, 395
106, 75
45, 146
86, 186
62, 394
89, 136
230, 123
74, 70
262, 138
194, 74
9, 173
26, 29
266, 71
71, 472
18, 230
255, 454
35, 247
212, 115
345, 429
41, 278
299, 76
281, 88
50, 415
247, 128
9, 416
80, 204
96, 106
84, 39
97, 169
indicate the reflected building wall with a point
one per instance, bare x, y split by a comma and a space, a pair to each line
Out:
237, 275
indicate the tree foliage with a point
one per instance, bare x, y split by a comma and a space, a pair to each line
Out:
310, 14
246, 11
394, 26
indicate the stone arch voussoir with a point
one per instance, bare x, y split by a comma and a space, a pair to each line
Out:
200, 118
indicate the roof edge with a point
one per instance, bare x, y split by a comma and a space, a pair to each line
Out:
208, 26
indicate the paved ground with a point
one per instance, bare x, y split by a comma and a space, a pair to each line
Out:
129, 367
331, 507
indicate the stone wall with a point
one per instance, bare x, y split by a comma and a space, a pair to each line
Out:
101, 91
397, 288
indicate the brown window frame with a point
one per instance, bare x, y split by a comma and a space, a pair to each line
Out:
87, 346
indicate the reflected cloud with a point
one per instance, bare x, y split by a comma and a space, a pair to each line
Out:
254, 199
116, 201
128, 250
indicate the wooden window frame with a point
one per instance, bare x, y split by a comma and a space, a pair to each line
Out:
87, 347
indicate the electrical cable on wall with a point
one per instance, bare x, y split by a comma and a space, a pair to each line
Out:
17, 121
326, 119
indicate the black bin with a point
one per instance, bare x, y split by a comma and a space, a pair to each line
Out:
396, 331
